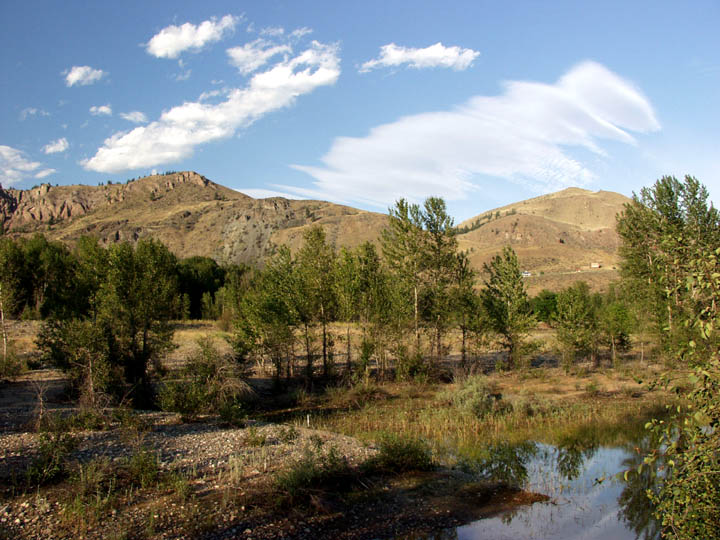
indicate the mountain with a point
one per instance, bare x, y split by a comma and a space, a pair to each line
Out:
558, 237
186, 211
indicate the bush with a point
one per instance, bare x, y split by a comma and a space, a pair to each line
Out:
314, 470
51, 463
143, 468
475, 396
400, 454
211, 383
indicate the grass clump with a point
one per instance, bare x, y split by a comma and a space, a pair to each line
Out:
314, 471
143, 468
399, 454
51, 463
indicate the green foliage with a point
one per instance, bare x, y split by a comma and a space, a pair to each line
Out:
315, 470
475, 396
51, 462
506, 303
576, 321
398, 454
688, 501
665, 228
544, 305
143, 468
210, 383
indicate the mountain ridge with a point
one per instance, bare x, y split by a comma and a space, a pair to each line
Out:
559, 237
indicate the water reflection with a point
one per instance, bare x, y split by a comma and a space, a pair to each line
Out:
588, 497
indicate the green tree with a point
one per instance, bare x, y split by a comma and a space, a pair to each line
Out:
616, 321
465, 302
576, 321
347, 292
137, 301
316, 270
662, 229
506, 303
544, 305
403, 247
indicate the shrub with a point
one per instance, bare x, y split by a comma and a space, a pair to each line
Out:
51, 463
211, 383
143, 468
400, 454
314, 470
475, 396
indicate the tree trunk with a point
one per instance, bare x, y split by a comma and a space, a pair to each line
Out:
464, 348
2, 324
309, 364
349, 361
417, 329
324, 341
612, 342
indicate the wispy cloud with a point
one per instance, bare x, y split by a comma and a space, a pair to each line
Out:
173, 40
56, 147
16, 167
523, 136
437, 55
101, 110
253, 55
82, 75
180, 129
32, 111
136, 117
266, 193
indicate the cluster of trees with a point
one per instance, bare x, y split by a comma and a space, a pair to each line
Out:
671, 259
106, 311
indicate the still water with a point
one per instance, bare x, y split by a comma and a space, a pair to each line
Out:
589, 499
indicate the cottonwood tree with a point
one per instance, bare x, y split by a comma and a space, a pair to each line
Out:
316, 270
576, 321
662, 230
347, 293
403, 247
507, 304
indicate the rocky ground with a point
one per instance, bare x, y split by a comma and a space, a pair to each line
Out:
213, 481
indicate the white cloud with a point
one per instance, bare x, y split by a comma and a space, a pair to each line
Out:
300, 32
437, 55
82, 75
266, 193
273, 31
173, 40
522, 135
255, 54
101, 110
56, 147
136, 117
45, 172
32, 111
15, 167
180, 129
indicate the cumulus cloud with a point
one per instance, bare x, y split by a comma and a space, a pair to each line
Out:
15, 167
273, 31
523, 135
136, 117
82, 75
172, 40
180, 129
437, 55
56, 147
101, 110
253, 55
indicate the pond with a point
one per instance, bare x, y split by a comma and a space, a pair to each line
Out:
588, 496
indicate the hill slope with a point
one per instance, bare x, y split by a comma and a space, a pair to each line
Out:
186, 211
558, 237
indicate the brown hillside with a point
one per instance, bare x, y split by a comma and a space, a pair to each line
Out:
186, 211
557, 237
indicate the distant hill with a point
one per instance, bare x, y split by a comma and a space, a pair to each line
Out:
558, 237
186, 211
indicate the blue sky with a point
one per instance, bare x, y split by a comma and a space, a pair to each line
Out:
483, 103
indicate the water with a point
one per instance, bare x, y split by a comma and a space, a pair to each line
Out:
589, 498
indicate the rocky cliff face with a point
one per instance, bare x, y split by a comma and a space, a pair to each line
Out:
186, 211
